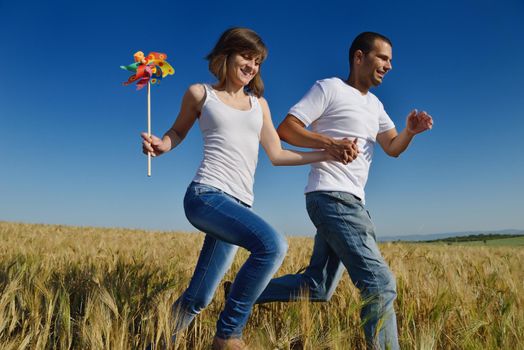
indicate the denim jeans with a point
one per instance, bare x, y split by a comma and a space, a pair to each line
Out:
227, 223
345, 237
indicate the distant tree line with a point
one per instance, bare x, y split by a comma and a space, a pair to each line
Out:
472, 238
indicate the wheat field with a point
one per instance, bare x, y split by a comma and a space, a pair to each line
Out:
92, 288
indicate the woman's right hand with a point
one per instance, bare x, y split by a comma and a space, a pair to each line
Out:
153, 145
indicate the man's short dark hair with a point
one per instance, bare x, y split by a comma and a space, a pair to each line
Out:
365, 42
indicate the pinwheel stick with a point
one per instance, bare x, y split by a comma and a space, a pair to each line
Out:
150, 70
149, 126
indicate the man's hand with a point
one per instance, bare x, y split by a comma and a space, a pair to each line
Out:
344, 151
418, 122
293, 131
394, 144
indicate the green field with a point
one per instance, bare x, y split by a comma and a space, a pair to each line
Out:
504, 242
508, 242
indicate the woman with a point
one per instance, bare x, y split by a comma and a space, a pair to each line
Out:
234, 118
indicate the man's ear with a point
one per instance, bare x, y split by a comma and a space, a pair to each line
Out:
358, 57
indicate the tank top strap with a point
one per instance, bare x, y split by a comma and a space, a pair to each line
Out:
209, 92
254, 101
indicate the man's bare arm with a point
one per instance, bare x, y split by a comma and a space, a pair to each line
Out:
294, 132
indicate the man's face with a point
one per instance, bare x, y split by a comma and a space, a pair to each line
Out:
375, 64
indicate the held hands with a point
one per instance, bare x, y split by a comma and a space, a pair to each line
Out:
418, 122
344, 151
153, 145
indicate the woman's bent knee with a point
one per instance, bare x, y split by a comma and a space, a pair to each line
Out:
281, 248
274, 248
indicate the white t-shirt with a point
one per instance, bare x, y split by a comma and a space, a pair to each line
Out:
338, 110
231, 137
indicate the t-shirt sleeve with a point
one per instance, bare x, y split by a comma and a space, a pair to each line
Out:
311, 106
385, 122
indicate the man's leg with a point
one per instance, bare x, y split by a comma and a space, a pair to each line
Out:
345, 224
318, 281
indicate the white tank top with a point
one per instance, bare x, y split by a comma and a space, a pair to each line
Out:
231, 138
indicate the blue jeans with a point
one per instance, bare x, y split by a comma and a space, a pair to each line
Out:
227, 223
345, 237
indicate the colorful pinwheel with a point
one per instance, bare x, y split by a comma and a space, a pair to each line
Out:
148, 70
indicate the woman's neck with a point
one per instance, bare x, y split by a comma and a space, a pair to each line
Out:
231, 89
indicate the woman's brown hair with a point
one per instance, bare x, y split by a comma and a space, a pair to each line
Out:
242, 41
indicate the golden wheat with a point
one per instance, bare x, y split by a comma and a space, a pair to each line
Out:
91, 288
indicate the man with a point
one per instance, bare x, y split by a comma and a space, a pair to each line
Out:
347, 120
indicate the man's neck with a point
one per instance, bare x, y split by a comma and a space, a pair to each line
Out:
357, 84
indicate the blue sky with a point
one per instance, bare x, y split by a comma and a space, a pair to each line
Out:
69, 134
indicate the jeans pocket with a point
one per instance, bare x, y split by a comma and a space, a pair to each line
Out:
200, 189
197, 193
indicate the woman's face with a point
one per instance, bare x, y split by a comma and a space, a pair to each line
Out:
242, 68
